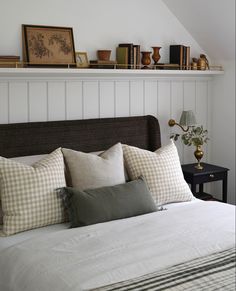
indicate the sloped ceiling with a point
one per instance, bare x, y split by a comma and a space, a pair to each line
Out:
210, 22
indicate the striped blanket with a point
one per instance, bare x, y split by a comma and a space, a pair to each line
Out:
212, 272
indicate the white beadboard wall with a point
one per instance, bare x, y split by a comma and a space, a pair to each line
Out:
30, 100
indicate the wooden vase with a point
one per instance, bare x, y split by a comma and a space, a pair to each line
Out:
156, 54
198, 155
146, 59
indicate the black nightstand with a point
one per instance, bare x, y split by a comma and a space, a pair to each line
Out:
209, 173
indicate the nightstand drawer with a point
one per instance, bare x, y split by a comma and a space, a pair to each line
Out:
209, 177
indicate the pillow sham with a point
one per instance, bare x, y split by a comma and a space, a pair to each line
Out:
89, 171
28, 195
27, 160
161, 170
107, 203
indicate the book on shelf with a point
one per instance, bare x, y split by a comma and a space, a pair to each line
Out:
122, 57
137, 52
98, 64
180, 54
128, 56
130, 47
8, 61
166, 66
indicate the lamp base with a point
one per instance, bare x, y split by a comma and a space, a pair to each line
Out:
199, 166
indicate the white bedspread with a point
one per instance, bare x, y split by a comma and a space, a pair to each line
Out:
97, 255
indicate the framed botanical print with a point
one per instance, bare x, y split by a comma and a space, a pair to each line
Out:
48, 45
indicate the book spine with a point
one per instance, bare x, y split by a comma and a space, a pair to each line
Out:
122, 57
130, 53
137, 56
184, 58
177, 55
188, 65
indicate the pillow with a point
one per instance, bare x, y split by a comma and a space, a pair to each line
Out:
107, 203
161, 170
27, 160
28, 195
89, 171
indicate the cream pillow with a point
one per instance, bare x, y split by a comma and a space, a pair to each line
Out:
89, 171
28, 195
161, 170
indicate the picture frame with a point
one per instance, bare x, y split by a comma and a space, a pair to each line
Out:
81, 60
48, 46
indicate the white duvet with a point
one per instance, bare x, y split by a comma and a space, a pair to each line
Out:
97, 255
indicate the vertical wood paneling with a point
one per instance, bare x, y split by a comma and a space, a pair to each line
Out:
202, 108
37, 101
122, 98
177, 102
136, 98
151, 97
91, 99
107, 99
18, 102
201, 102
189, 104
56, 101
3, 102
163, 106
74, 100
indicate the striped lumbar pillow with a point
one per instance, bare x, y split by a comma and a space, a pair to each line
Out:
161, 170
28, 195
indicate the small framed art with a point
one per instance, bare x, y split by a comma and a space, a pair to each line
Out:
48, 45
81, 60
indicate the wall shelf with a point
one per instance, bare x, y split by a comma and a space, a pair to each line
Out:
64, 73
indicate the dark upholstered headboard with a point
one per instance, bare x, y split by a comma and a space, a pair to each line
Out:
23, 139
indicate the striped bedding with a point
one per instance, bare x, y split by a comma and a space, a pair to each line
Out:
212, 272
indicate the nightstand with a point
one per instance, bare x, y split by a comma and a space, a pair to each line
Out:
209, 173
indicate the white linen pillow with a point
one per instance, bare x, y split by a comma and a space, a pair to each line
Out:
161, 170
28, 195
89, 171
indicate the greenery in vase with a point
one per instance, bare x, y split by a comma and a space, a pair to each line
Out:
196, 136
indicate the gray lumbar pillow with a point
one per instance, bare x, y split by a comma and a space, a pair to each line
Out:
89, 171
107, 203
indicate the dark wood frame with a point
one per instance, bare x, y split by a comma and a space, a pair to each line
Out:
26, 51
24, 139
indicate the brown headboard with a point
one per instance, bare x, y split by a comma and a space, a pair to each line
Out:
23, 139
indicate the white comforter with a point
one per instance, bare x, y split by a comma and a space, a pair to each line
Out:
97, 255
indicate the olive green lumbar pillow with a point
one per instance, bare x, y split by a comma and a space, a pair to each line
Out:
89, 171
107, 203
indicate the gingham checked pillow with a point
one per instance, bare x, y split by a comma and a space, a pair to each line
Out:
28, 195
161, 170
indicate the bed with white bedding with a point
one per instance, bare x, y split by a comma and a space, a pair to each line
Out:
127, 252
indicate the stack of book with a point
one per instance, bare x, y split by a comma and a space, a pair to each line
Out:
180, 54
98, 64
128, 56
9, 61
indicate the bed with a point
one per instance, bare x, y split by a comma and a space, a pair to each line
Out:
184, 246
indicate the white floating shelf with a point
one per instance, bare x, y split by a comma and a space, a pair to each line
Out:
62, 73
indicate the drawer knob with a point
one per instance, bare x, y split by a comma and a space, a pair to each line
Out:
212, 175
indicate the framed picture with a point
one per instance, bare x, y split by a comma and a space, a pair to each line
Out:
48, 45
82, 60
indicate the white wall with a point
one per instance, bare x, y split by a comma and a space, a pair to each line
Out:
223, 125
97, 24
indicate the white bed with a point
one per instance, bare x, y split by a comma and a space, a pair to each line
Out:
58, 258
